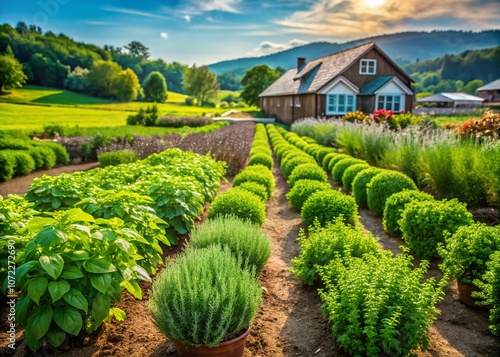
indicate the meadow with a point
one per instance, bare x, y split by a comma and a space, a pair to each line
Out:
31, 108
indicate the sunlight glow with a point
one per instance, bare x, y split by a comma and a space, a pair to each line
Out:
374, 3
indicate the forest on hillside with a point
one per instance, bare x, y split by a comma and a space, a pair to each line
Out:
464, 72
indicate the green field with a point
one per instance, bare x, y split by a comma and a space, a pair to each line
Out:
31, 108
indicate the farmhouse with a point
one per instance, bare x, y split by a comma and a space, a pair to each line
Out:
362, 77
453, 100
490, 92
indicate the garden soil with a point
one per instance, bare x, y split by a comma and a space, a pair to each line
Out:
289, 322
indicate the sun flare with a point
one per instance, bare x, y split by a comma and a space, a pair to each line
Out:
374, 3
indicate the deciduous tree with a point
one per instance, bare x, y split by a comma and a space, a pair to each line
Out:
155, 88
11, 72
202, 84
101, 78
126, 86
255, 81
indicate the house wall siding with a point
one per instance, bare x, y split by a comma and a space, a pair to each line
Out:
384, 68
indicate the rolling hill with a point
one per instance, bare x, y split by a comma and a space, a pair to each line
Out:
404, 47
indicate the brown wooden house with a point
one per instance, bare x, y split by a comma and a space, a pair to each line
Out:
362, 77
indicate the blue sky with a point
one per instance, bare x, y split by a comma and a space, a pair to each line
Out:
208, 31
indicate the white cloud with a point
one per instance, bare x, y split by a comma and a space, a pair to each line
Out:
268, 47
187, 18
354, 18
216, 5
164, 35
121, 10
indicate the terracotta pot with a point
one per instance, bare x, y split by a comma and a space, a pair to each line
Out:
231, 348
465, 293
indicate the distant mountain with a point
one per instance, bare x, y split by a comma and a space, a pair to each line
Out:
404, 47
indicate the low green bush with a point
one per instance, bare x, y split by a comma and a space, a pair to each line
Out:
259, 174
7, 165
425, 223
288, 164
466, 252
325, 244
241, 204
340, 167
309, 172
117, 158
62, 156
322, 152
336, 159
327, 159
350, 173
359, 184
382, 186
395, 205
181, 121
260, 150
13, 143
379, 304
301, 191
490, 291
221, 301
24, 162
47, 156
326, 206
243, 238
255, 188
262, 159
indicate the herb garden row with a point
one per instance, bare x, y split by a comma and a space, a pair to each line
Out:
375, 302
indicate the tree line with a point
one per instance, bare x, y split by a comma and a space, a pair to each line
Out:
464, 72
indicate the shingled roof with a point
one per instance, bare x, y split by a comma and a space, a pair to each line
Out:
316, 73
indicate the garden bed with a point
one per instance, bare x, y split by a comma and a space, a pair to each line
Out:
289, 322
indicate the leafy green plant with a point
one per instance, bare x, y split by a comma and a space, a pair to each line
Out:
382, 186
221, 302
466, 252
243, 238
336, 159
24, 162
307, 171
261, 159
323, 244
136, 213
301, 191
259, 174
322, 153
327, 205
342, 165
289, 163
359, 184
379, 304
490, 291
240, 203
395, 205
116, 157
255, 188
425, 223
74, 269
351, 172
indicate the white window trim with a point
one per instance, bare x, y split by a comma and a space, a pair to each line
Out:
291, 101
328, 112
297, 101
402, 100
367, 63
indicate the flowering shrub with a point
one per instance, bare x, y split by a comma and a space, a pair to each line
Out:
382, 115
356, 116
487, 126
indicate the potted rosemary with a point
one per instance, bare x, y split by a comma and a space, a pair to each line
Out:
205, 302
466, 254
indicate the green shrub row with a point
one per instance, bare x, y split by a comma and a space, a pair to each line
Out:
21, 156
117, 157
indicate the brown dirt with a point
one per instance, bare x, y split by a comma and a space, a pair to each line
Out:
20, 185
289, 321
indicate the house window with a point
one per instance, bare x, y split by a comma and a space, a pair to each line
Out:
389, 102
297, 101
368, 66
340, 104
